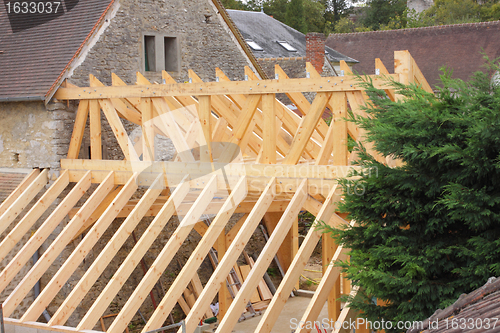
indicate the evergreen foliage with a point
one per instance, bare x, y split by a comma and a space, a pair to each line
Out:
294, 16
429, 230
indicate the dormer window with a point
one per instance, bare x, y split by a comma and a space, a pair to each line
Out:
254, 45
287, 46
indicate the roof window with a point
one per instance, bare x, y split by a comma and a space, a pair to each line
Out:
254, 45
287, 46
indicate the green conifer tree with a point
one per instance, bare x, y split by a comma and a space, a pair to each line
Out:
429, 230
294, 16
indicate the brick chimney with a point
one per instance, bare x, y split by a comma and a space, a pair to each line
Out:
315, 50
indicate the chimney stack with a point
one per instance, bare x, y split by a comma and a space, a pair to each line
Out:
315, 50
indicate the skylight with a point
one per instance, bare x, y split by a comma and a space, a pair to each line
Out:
254, 45
287, 46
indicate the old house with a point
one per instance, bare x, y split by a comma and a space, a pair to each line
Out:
273, 42
39, 52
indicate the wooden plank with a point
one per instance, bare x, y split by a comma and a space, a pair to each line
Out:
265, 258
220, 129
357, 101
353, 129
403, 66
197, 289
32, 245
148, 132
347, 312
245, 271
326, 84
78, 129
269, 139
224, 297
301, 101
86, 245
286, 286
119, 131
164, 257
21, 228
242, 129
23, 200
264, 292
205, 113
99, 211
173, 130
231, 234
184, 306
26, 182
57, 246
379, 65
95, 130
327, 282
290, 121
123, 272
306, 128
232, 254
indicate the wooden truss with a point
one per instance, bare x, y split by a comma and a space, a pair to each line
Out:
239, 150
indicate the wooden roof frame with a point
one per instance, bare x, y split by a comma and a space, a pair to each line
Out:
273, 161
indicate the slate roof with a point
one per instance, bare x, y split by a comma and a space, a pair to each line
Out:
35, 51
457, 46
473, 309
267, 31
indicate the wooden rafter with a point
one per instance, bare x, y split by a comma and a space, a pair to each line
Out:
239, 150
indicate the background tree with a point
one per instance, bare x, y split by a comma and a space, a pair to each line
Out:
429, 230
313, 12
379, 13
294, 16
276, 9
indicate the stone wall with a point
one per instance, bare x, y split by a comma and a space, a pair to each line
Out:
203, 42
34, 135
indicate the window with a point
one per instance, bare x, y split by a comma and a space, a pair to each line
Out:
254, 45
149, 53
161, 53
287, 46
171, 54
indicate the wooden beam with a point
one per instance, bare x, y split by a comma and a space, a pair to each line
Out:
78, 129
23, 200
32, 245
321, 294
310, 171
99, 211
25, 183
164, 257
205, 114
57, 246
173, 130
128, 265
242, 129
89, 241
306, 128
119, 131
148, 132
264, 260
326, 84
95, 130
269, 139
232, 254
286, 286
379, 65
21, 228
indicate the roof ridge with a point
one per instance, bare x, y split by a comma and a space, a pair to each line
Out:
432, 27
